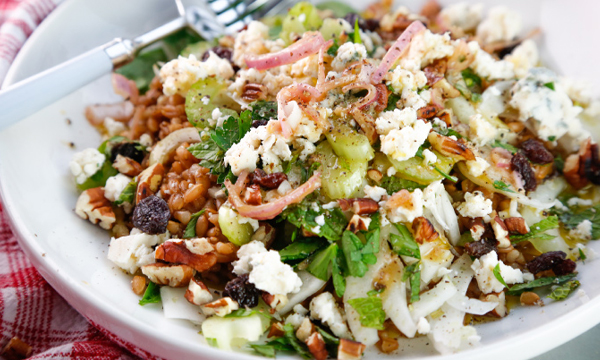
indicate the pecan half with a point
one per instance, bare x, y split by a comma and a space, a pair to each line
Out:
350, 350
168, 274
253, 92
424, 230
516, 225
316, 346
276, 330
127, 166
149, 181
276, 302
252, 196
93, 206
455, 149
306, 328
265, 234
177, 252
221, 307
360, 206
427, 112
499, 311
446, 116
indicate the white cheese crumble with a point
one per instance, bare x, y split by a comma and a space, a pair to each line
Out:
524, 57
463, 15
575, 201
501, 24
583, 230
135, 250
488, 67
178, 75
115, 186
423, 326
578, 90
86, 163
396, 119
348, 53
482, 131
113, 127
429, 157
403, 144
266, 270
324, 308
273, 80
475, 205
320, 220
478, 166
374, 192
408, 211
484, 273
426, 47
404, 81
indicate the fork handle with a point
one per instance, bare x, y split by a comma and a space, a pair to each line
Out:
29, 96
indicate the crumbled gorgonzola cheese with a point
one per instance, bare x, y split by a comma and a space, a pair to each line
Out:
482, 132
488, 67
403, 80
374, 192
429, 157
583, 230
86, 163
524, 57
409, 211
396, 119
325, 309
501, 24
178, 75
484, 273
463, 15
115, 186
403, 144
478, 166
113, 127
475, 205
426, 47
135, 250
348, 53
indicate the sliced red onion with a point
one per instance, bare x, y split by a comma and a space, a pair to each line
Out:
396, 50
124, 87
310, 43
303, 93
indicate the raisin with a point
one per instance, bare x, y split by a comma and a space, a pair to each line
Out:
151, 215
242, 291
129, 150
536, 152
591, 164
520, 164
268, 181
222, 52
565, 267
259, 123
363, 24
546, 261
482, 247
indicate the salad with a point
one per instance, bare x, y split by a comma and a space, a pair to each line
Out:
326, 182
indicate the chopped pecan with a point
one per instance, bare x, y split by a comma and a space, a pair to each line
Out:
455, 149
520, 164
536, 152
516, 225
168, 274
276, 330
446, 116
375, 175
358, 223
360, 206
253, 92
197, 293
17, 349
572, 172
427, 112
436, 71
424, 230
138, 285
268, 181
127, 166
177, 252
501, 232
253, 195
276, 302
265, 234
93, 206
149, 181
306, 328
316, 346
499, 311
350, 350
448, 91
221, 307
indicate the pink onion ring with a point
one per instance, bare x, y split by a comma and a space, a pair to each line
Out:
310, 43
322, 50
270, 210
125, 87
396, 50
298, 92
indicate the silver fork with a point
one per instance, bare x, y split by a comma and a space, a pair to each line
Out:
219, 17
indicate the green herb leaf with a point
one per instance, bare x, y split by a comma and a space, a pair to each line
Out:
541, 282
550, 85
319, 266
404, 243
537, 231
264, 350
392, 101
100, 177
563, 291
209, 153
573, 217
337, 272
190, 229
140, 70
502, 186
370, 310
240, 313
128, 194
551, 138
413, 274
393, 184
473, 82
356, 37
498, 275
582, 255
508, 147
334, 48
559, 162
304, 216
298, 346
447, 176
329, 339
301, 249
264, 110
151, 295
351, 246
449, 132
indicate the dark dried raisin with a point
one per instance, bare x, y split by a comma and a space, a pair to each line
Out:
242, 291
536, 152
590, 164
259, 123
127, 149
268, 181
546, 261
520, 164
565, 267
363, 24
151, 215
222, 52
488, 243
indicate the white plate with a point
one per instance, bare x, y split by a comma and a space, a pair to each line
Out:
39, 194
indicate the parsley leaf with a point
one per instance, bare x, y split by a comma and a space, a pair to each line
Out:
447, 176
263, 110
582, 255
413, 274
564, 290
151, 295
209, 153
498, 275
404, 244
290, 336
393, 184
508, 147
550, 85
473, 82
370, 310
301, 249
545, 281
319, 266
392, 100
570, 218
502, 186
559, 162
537, 231
128, 194
264, 350
334, 48
351, 246
449, 132
304, 216
190, 229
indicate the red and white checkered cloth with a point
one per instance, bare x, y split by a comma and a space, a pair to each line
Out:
29, 308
